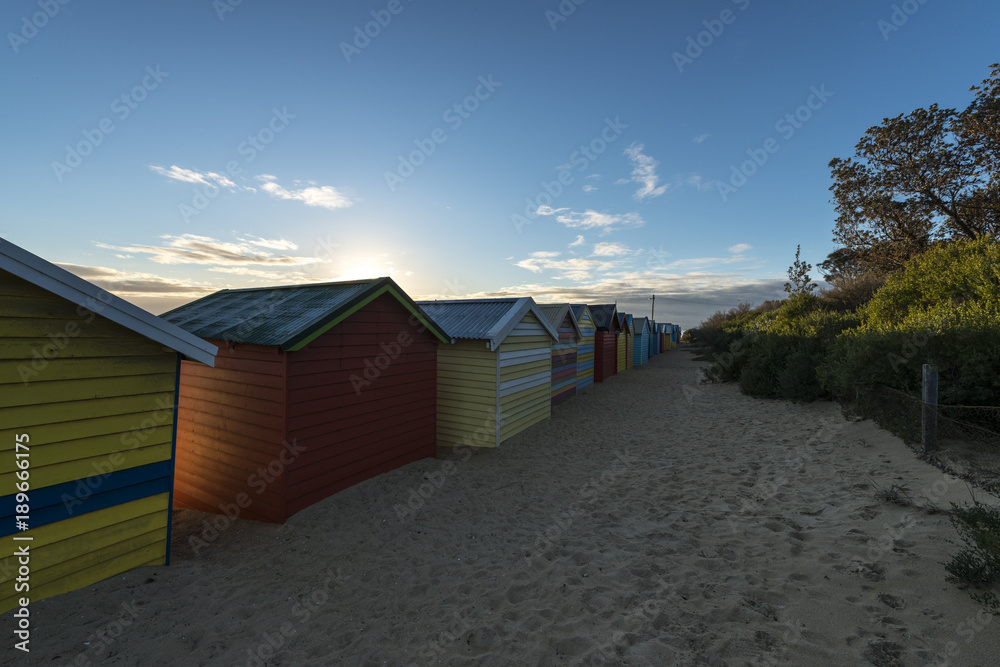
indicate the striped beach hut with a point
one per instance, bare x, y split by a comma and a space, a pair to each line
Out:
560, 316
495, 380
654, 338
642, 336
621, 344
666, 333
606, 335
317, 387
585, 350
88, 385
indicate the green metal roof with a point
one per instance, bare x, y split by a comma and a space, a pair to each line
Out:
289, 316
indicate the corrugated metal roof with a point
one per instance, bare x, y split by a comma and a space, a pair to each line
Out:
468, 319
288, 316
556, 312
578, 309
483, 319
604, 316
641, 324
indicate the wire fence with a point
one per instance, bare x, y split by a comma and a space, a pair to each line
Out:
968, 436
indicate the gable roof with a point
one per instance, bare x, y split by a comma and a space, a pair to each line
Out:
641, 324
605, 317
23, 264
484, 319
578, 309
289, 316
625, 322
556, 312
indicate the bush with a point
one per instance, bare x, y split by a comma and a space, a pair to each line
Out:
977, 565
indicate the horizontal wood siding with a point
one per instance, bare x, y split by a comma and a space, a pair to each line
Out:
641, 353
361, 401
525, 387
95, 399
85, 549
605, 347
585, 351
621, 363
467, 395
564, 361
230, 428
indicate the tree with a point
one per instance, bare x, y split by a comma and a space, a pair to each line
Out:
918, 178
798, 275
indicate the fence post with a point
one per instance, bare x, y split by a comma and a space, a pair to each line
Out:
928, 410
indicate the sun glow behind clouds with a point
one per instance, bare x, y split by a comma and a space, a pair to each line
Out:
363, 269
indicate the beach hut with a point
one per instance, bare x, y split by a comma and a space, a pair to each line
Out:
88, 388
585, 350
560, 316
495, 380
666, 332
676, 335
606, 334
622, 344
630, 342
641, 336
317, 387
654, 338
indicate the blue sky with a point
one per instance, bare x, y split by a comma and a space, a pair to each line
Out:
571, 152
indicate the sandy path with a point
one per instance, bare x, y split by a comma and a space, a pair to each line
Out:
651, 521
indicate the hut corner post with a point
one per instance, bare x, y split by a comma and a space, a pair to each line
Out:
928, 410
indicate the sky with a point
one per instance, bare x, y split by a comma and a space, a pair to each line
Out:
583, 150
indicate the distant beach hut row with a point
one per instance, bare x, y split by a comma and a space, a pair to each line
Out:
255, 402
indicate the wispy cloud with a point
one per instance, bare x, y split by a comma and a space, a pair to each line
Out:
589, 188
591, 219
695, 181
130, 284
191, 176
700, 138
644, 173
740, 248
193, 249
325, 196
573, 268
579, 241
274, 244
610, 250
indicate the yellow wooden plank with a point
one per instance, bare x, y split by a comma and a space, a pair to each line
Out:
43, 454
524, 370
144, 421
67, 471
12, 395
69, 348
23, 372
26, 416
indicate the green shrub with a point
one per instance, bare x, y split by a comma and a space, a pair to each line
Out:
977, 564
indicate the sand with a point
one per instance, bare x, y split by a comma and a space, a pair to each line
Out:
652, 521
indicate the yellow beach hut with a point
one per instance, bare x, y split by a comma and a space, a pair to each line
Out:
88, 389
495, 379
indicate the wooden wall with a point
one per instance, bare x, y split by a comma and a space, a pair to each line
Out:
354, 425
96, 400
525, 377
564, 361
620, 353
605, 347
585, 351
641, 354
467, 395
230, 426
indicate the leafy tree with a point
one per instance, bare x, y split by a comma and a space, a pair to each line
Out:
798, 275
926, 176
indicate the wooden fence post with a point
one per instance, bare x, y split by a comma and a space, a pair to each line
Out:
928, 410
